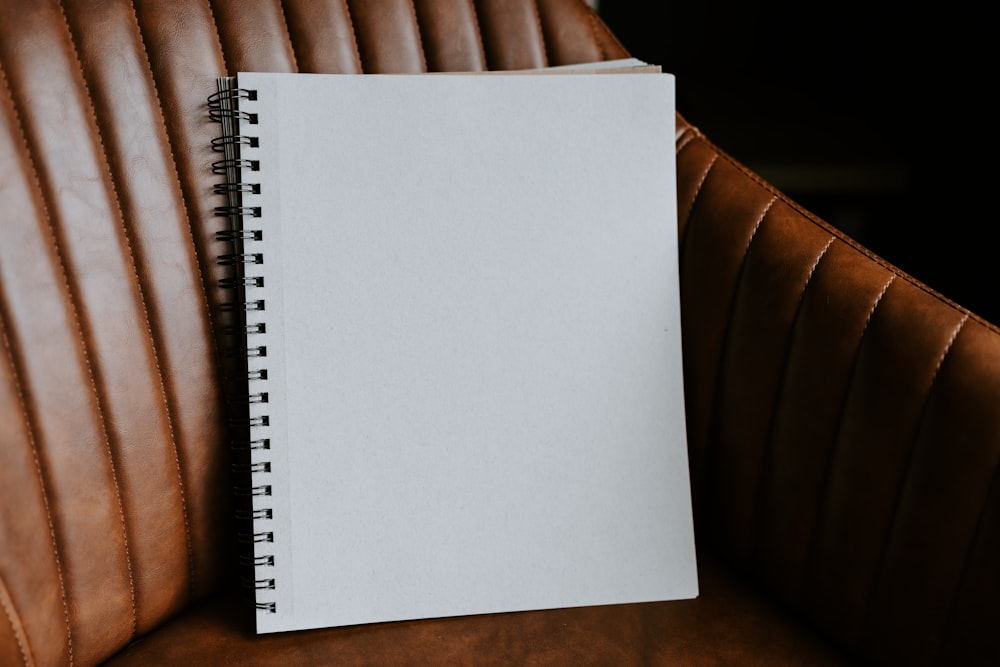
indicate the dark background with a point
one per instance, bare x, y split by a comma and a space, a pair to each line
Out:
878, 118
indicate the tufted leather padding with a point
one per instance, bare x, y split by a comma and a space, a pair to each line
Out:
842, 419
842, 422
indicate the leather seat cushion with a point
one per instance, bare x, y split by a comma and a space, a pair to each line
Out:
727, 624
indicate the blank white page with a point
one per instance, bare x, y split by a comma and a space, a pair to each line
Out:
475, 396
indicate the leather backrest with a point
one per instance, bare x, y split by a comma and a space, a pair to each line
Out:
113, 451
843, 422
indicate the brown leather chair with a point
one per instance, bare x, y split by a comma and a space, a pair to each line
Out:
843, 418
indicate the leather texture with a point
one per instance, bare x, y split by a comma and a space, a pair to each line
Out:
842, 423
842, 417
729, 624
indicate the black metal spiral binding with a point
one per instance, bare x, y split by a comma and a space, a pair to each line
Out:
248, 399
222, 167
239, 235
259, 560
237, 211
254, 538
259, 584
245, 281
223, 143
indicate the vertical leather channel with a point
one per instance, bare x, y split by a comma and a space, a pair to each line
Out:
33, 305
880, 422
821, 357
842, 422
254, 36
513, 34
388, 36
450, 35
779, 263
562, 23
114, 486
323, 36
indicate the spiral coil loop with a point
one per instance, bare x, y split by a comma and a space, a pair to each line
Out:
242, 260
259, 584
217, 114
259, 560
225, 143
237, 211
221, 167
245, 281
239, 235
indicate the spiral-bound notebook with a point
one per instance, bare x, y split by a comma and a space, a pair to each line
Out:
463, 342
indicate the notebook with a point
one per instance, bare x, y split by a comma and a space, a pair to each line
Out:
462, 342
